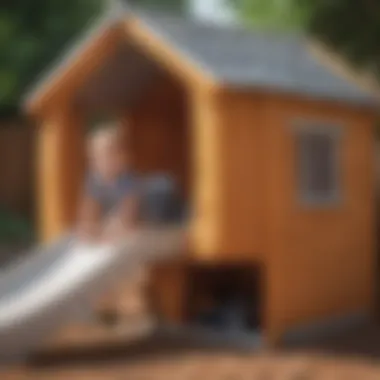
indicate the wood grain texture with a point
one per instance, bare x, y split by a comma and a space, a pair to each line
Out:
61, 169
321, 260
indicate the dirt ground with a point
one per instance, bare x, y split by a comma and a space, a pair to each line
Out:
86, 352
90, 351
148, 359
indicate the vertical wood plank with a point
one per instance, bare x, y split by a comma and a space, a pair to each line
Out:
168, 291
60, 168
205, 155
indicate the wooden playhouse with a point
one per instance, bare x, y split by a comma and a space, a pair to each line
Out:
273, 152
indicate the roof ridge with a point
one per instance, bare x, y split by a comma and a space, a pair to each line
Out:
214, 26
270, 58
120, 7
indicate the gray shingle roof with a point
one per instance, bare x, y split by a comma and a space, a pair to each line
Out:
249, 58
237, 57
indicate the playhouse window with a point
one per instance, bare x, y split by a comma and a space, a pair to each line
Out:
317, 150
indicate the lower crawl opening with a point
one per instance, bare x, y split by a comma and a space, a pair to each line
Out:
225, 297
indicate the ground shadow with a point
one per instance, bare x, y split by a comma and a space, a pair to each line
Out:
153, 347
363, 342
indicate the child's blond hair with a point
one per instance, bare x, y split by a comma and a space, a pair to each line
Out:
106, 132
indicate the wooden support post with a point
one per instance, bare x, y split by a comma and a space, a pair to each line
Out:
206, 167
168, 292
60, 169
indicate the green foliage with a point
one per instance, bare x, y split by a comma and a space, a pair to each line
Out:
160, 4
350, 27
274, 14
32, 32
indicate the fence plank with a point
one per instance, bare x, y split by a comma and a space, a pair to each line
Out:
17, 167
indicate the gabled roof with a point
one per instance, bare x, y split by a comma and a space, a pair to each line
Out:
241, 57
231, 56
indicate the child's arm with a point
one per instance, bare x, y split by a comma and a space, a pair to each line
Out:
124, 219
89, 223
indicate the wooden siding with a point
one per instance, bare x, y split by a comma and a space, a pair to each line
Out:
320, 259
158, 133
230, 186
61, 85
61, 169
206, 185
233, 156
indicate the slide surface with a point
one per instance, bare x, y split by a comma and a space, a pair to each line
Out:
51, 286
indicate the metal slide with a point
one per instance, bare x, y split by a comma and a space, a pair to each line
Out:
51, 286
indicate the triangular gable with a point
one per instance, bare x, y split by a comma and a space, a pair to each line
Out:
75, 64
92, 50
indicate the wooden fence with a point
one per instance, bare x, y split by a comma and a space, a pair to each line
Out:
17, 167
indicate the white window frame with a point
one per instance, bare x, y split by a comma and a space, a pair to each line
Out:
334, 132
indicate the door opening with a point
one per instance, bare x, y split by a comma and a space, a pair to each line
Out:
225, 297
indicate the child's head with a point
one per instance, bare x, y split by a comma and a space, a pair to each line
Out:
107, 151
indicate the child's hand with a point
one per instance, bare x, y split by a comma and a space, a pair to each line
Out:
115, 229
88, 225
89, 232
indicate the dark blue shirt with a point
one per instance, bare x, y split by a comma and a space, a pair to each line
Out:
109, 196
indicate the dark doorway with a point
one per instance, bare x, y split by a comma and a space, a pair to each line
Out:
225, 297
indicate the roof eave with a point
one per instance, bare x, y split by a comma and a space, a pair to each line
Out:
92, 50
368, 103
74, 64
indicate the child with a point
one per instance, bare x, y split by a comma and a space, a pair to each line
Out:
109, 207
110, 202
